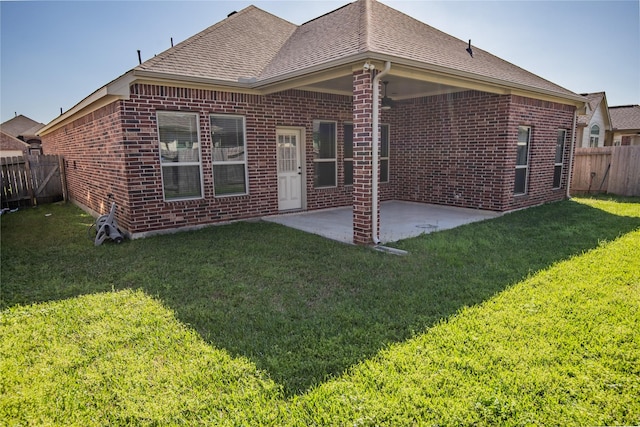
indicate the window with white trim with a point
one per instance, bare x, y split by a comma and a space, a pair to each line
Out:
522, 160
348, 154
179, 140
559, 159
594, 136
324, 154
229, 154
384, 153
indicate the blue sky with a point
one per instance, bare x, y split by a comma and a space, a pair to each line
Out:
53, 54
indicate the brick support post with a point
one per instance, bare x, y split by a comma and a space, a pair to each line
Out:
362, 157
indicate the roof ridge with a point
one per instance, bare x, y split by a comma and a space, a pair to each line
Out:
365, 23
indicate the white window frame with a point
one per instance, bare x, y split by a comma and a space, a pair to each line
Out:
164, 165
526, 165
347, 159
384, 126
242, 162
594, 138
333, 160
560, 164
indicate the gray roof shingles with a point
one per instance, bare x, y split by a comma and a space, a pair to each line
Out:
255, 44
625, 117
235, 48
593, 101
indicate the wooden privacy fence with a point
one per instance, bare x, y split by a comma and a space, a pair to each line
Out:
32, 180
614, 170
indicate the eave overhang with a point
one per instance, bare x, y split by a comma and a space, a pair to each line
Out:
304, 79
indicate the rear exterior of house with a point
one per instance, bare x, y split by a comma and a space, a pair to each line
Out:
177, 153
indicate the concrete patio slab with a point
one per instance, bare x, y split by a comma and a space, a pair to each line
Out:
398, 220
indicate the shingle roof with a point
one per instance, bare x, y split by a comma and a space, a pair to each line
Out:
593, 101
20, 125
237, 47
253, 44
625, 117
397, 34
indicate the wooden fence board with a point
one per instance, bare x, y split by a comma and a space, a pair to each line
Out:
31, 180
625, 171
613, 170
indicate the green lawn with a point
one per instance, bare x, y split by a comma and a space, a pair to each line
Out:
528, 319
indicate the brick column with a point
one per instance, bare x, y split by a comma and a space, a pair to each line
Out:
362, 157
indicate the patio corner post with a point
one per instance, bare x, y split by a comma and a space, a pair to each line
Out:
363, 157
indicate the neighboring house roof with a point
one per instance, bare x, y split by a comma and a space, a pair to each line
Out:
257, 52
21, 125
594, 101
11, 143
625, 117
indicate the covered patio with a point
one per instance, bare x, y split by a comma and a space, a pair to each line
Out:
398, 220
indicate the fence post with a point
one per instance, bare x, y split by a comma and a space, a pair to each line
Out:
63, 177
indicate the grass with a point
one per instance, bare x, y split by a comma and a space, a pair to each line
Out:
528, 319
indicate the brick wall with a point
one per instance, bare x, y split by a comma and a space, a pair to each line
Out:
94, 158
460, 150
544, 118
128, 131
454, 150
13, 145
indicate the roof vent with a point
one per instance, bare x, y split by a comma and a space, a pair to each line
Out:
232, 13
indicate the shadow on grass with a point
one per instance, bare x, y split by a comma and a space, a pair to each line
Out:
301, 307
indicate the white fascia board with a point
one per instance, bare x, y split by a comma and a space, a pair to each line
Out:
116, 89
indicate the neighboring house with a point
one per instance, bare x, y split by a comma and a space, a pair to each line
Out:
24, 129
257, 116
11, 146
594, 126
626, 124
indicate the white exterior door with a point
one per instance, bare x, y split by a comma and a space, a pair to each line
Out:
289, 170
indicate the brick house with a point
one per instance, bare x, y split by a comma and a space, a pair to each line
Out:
18, 137
11, 146
256, 116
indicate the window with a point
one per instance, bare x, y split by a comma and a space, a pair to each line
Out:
348, 154
559, 160
324, 154
594, 137
522, 160
384, 153
180, 155
229, 155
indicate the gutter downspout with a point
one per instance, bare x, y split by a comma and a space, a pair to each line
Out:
573, 144
374, 151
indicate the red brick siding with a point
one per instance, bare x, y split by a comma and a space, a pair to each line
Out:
135, 148
445, 149
8, 143
362, 158
94, 158
459, 150
544, 118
